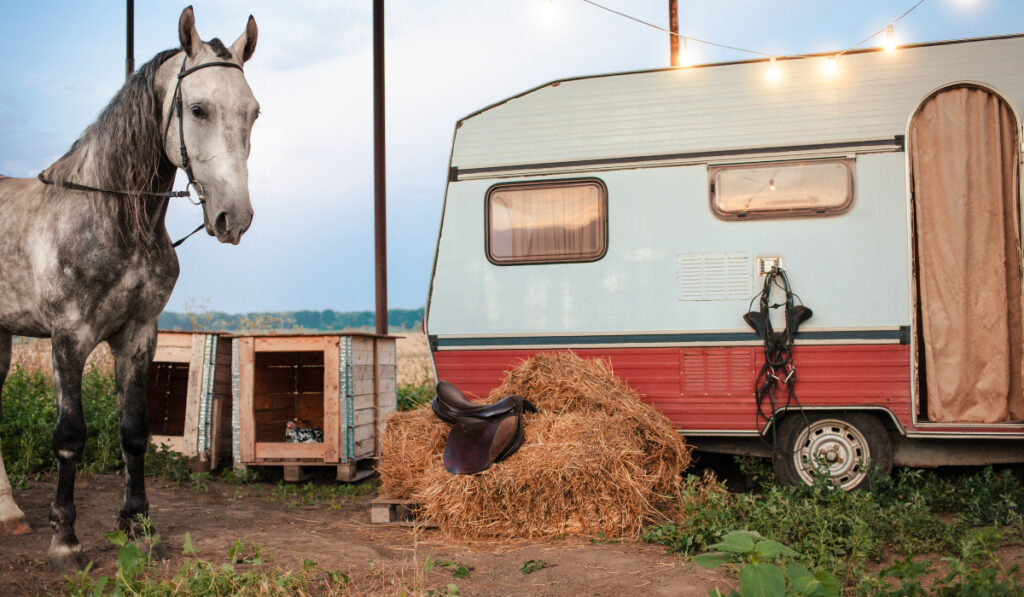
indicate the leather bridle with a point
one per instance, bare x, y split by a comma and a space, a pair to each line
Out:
186, 164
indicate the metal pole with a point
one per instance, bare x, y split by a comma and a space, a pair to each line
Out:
673, 26
129, 63
379, 180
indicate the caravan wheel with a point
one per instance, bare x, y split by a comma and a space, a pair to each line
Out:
840, 445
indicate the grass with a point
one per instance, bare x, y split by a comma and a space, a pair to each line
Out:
244, 571
967, 517
30, 412
415, 395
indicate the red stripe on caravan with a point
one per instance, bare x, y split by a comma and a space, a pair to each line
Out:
712, 389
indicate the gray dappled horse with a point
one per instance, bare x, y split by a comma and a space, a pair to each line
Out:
82, 266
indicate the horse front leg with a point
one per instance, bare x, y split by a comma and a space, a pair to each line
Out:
133, 350
12, 519
69, 356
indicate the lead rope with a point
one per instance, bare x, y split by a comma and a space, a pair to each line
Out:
186, 164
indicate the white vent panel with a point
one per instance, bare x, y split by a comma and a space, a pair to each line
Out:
714, 276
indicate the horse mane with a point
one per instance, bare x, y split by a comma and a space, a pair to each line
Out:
123, 150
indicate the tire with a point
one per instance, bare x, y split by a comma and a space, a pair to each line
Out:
846, 442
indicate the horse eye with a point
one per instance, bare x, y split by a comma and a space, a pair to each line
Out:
256, 115
198, 111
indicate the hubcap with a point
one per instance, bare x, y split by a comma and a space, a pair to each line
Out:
832, 447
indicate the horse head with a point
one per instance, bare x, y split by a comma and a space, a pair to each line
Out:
209, 114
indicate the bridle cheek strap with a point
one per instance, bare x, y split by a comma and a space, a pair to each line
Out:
186, 164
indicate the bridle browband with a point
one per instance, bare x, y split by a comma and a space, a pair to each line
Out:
186, 164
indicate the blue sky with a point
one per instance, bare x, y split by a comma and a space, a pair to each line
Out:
311, 169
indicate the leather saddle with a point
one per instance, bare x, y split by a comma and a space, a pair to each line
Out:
481, 434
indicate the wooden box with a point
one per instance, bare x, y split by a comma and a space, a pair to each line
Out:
188, 396
341, 383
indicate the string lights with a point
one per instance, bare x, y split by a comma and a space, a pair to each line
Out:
830, 66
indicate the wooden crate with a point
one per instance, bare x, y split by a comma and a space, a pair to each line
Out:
188, 396
342, 383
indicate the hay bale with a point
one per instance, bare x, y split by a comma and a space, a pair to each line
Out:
407, 446
595, 460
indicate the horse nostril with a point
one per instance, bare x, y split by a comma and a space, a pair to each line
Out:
220, 225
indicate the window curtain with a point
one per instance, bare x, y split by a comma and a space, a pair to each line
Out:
963, 144
564, 222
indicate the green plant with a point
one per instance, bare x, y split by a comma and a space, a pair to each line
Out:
602, 539
311, 494
459, 570
199, 481
761, 573
162, 462
415, 395
531, 566
245, 573
30, 412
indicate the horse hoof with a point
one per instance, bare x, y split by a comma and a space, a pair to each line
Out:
66, 559
17, 526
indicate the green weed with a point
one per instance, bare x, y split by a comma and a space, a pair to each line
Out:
311, 494
245, 572
531, 566
846, 533
765, 569
415, 395
30, 412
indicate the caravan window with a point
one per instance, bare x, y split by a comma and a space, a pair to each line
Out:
813, 187
547, 222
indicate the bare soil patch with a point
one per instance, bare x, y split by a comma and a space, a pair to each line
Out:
379, 559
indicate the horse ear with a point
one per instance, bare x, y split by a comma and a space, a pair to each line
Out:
190, 40
245, 45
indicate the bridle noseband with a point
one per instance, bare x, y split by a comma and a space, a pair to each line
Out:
186, 164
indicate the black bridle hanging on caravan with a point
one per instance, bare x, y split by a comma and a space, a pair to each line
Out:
778, 347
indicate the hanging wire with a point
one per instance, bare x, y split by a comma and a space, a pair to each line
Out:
754, 52
882, 30
679, 35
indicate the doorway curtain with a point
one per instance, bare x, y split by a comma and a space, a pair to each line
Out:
963, 144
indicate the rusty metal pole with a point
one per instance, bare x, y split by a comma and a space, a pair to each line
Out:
129, 63
673, 26
379, 179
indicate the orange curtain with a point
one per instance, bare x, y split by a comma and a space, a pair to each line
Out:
556, 222
963, 145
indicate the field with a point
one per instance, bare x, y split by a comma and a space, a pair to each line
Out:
956, 532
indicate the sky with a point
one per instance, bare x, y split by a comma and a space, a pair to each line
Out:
311, 243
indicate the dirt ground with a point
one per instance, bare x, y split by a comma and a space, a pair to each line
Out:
379, 559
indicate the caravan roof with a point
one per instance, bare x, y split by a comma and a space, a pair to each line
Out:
719, 111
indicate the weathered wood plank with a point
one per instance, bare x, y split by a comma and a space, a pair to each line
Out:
288, 450
289, 343
247, 430
174, 443
331, 404
172, 354
195, 388
362, 351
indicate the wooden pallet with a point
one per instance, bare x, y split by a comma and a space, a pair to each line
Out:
397, 512
300, 470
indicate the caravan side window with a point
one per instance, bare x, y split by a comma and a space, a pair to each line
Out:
547, 222
812, 187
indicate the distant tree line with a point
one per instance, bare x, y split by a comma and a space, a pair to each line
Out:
313, 321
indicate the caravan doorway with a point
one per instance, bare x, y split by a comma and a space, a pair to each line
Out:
963, 145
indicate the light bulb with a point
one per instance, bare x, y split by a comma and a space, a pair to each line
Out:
890, 39
685, 58
831, 65
774, 74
